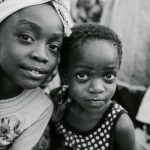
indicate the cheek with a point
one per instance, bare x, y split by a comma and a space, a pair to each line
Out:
111, 90
12, 51
52, 62
75, 94
5, 56
77, 91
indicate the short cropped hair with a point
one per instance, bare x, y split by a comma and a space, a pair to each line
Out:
82, 33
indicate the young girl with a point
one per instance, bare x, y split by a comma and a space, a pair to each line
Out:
31, 34
86, 11
89, 65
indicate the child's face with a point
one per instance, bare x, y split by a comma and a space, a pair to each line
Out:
29, 45
92, 74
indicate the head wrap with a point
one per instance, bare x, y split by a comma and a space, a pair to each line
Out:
8, 7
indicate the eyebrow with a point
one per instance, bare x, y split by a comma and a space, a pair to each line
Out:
89, 67
83, 66
38, 29
30, 24
110, 68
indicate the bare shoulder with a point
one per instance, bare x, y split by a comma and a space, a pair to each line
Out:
124, 124
124, 133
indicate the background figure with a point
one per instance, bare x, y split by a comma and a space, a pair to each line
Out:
86, 11
143, 112
143, 115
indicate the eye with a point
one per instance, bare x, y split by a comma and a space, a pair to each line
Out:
54, 48
110, 77
82, 76
26, 38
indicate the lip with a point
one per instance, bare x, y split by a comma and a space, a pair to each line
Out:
96, 98
35, 72
35, 68
95, 102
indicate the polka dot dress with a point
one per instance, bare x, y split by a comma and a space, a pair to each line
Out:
99, 138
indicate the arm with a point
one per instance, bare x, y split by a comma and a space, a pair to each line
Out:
124, 133
28, 139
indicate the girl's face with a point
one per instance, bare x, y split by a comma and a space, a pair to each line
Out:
29, 45
92, 74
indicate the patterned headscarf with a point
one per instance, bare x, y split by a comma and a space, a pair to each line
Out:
8, 7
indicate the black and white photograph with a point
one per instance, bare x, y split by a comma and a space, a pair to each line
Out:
74, 75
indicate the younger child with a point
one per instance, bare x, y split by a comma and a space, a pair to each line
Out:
89, 65
31, 34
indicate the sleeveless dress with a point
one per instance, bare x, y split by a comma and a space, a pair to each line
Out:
98, 138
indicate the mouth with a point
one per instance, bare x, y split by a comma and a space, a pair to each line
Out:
95, 102
35, 72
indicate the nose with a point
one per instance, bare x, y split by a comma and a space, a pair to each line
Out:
96, 86
40, 54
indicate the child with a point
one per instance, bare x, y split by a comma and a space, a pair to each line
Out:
31, 34
86, 11
89, 65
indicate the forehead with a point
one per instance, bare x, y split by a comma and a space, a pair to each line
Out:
42, 15
96, 46
95, 51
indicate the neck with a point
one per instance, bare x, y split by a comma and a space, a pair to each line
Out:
8, 89
83, 120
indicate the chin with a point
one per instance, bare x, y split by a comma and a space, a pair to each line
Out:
93, 111
30, 85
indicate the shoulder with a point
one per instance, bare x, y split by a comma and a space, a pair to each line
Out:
124, 124
124, 128
43, 98
117, 110
39, 100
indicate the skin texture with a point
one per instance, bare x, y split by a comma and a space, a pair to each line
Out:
29, 48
